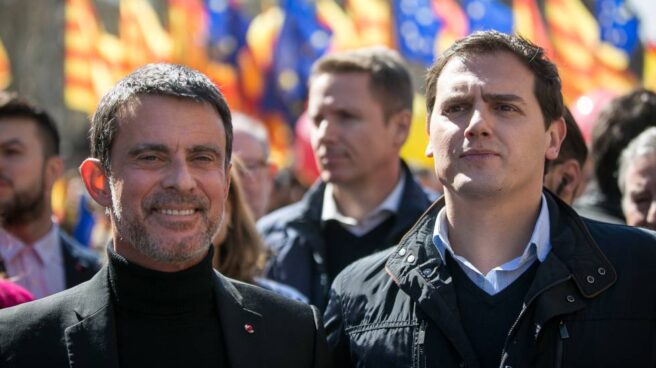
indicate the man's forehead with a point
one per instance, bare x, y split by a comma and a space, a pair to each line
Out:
17, 128
462, 73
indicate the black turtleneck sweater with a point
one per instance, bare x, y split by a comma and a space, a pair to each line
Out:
165, 319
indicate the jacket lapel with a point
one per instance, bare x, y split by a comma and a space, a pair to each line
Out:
243, 328
92, 341
419, 271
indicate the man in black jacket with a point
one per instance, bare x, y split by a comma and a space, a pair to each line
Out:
499, 272
34, 250
360, 105
161, 142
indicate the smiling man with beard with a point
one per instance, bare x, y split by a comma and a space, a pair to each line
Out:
34, 251
161, 143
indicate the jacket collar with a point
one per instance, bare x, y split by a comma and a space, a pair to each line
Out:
243, 327
575, 251
91, 342
413, 201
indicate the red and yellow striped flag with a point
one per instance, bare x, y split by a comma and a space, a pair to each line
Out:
373, 20
143, 37
528, 23
649, 69
81, 33
584, 61
5, 68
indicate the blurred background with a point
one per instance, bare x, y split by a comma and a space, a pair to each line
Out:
64, 54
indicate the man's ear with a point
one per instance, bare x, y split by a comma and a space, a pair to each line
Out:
572, 177
53, 170
555, 136
401, 124
96, 181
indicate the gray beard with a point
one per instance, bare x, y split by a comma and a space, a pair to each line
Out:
133, 232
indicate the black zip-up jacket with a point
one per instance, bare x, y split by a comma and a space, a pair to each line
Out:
592, 302
293, 234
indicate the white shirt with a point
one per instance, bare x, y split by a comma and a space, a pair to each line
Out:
387, 208
502, 276
38, 267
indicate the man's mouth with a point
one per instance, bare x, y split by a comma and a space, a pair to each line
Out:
170, 212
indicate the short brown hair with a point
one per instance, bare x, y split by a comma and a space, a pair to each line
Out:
390, 81
547, 86
15, 106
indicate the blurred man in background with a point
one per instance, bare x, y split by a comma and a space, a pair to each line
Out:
251, 145
36, 253
637, 180
360, 106
565, 175
623, 119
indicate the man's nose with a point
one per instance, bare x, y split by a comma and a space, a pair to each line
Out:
479, 124
179, 176
326, 130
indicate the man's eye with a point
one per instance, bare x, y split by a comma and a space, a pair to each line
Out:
203, 158
452, 109
12, 152
148, 158
506, 108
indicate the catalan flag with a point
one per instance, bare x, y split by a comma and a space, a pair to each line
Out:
81, 33
529, 24
344, 32
649, 72
455, 24
188, 32
144, 39
373, 20
584, 61
5, 68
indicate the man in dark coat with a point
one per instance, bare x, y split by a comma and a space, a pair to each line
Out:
34, 251
498, 272
161, 142
360, 105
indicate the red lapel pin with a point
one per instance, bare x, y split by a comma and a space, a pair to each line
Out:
249, 328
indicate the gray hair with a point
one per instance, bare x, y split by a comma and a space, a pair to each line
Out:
153, 80
642, 145
254, 128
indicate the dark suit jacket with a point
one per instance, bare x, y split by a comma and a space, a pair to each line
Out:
80, 264
76, 328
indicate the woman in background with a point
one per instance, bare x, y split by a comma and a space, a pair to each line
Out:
239, 252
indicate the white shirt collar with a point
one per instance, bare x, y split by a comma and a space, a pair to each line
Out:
539, 245
389, 206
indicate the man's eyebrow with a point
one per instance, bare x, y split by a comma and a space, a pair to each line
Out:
12, 142
508, 97
212, 148
147, 147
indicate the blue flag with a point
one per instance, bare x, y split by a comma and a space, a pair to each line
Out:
488, 14
416, 30
618, 25
302, 40
226, 30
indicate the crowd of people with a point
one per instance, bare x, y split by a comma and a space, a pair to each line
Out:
534, 254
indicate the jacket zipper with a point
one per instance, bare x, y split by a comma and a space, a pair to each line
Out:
421, 339
504, 354
564, 334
